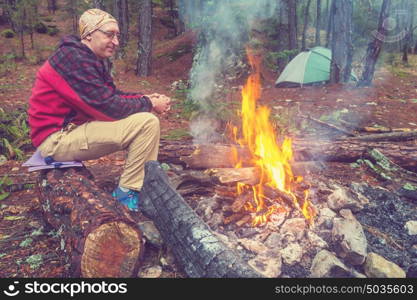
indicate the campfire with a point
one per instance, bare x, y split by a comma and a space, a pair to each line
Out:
277, 187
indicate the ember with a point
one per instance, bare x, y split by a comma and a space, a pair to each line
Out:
273, 160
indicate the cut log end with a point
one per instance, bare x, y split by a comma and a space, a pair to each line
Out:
111, 250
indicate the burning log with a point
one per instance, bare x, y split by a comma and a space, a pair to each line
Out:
248, 176
233, 218
100, 238
246, 219
196, 248
241, 200
274, 194
348, 150
251, 176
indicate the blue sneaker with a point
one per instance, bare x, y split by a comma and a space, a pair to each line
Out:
129, 198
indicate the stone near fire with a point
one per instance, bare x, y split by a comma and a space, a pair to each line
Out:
292, 254
378, 267
326, 265
268, 264
316, 241
350, 240
151, 272
326, 217
276, 220
274, 240
151, 234
295, 226
342, 198
253, 245
411, 227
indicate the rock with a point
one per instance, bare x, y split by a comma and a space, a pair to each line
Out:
378, 267
411, 227
413, 250
326, 265
350, 240
150, 272
268, 264
326, 217
151, 234
291, 254
316, 241
215, 220
295, 226
274, 240
347, 214
276, 220
253, 246
342, 198
412, 271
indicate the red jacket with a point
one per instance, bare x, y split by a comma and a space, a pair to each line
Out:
74, 86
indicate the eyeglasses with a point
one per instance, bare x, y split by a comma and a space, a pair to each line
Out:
110, 34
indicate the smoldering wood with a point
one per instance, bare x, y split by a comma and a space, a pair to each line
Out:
98, 236
196, 248
240, 201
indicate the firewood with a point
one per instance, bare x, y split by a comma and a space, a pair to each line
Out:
248, 176
347, 150
232, 218
275, 195
241, 201
215, 156
246, 219
226, 192
196, 248
394, 136
251, 176
99, 237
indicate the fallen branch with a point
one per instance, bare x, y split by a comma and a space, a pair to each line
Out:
328, 125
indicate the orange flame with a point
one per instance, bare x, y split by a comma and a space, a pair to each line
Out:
273, 160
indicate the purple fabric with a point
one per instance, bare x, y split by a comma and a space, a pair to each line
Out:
37, 162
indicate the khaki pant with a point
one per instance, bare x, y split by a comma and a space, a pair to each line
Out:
138, 134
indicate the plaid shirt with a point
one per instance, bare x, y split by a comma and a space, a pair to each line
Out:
74, 85
88, 77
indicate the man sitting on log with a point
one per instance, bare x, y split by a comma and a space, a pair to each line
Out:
77, 113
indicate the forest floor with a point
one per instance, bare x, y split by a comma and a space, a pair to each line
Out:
27, 248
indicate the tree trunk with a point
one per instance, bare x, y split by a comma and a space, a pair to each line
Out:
145, 39
98, 236
292, 24
318, 24
196, 248
306, 14
99, 4
348, 150
52, 6
374, 48
341, 65
121, 12
329, 23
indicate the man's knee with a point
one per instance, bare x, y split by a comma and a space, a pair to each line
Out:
148, 120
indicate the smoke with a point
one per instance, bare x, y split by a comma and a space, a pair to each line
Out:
223, 28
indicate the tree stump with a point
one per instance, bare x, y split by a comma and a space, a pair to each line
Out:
98, 236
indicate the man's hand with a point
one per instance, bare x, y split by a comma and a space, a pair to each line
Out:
160, 103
